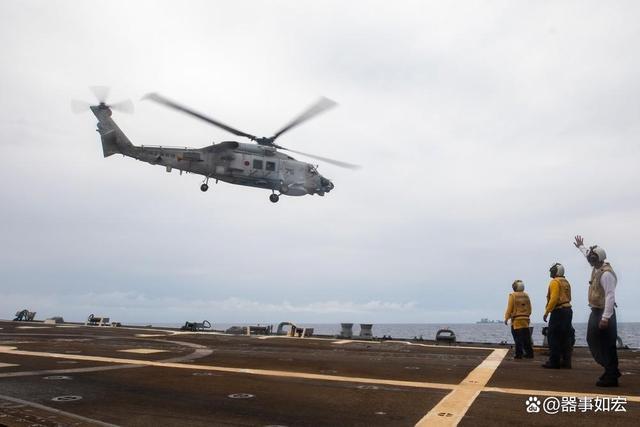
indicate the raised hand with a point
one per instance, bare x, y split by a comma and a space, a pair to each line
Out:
579, 241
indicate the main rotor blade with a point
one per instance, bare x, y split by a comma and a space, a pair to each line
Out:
172, 104
320, 106
325, 159
125, 106
100, 92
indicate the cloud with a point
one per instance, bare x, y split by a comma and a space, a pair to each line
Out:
489, 134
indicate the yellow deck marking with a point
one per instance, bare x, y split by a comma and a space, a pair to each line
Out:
260, 372
450, 410
7, 365
528, 392
143, 350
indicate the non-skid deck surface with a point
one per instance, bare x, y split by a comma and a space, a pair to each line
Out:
122, 376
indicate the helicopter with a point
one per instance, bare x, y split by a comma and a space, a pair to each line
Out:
260, 163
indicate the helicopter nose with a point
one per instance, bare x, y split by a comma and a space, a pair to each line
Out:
327, 185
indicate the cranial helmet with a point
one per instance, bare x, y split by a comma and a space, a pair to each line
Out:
518, 286
596, 254
557, 270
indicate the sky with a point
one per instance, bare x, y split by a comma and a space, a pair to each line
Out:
490, 133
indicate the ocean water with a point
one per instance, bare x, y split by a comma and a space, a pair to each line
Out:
468, 332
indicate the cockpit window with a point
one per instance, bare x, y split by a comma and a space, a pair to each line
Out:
271, 166
312, 170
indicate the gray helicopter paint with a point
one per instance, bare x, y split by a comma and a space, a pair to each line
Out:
228, 161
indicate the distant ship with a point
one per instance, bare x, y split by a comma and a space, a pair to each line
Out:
486, 320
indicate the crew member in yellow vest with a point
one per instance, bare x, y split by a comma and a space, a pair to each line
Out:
559, 333
518, 311
602, 329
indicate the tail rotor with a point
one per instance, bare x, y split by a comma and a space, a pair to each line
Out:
101, 94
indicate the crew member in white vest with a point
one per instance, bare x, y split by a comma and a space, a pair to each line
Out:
602, 330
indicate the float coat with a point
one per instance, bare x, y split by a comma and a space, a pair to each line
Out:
518, 310
558, 295
596, 290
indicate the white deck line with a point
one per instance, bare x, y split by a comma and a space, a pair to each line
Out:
341, 342
151, 335
7, 365
259, 372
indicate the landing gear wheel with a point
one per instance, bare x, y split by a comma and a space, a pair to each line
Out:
274, 198
204, 187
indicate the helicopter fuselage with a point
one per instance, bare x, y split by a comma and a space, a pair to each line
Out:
242, 164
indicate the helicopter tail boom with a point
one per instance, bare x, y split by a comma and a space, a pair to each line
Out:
113, 139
